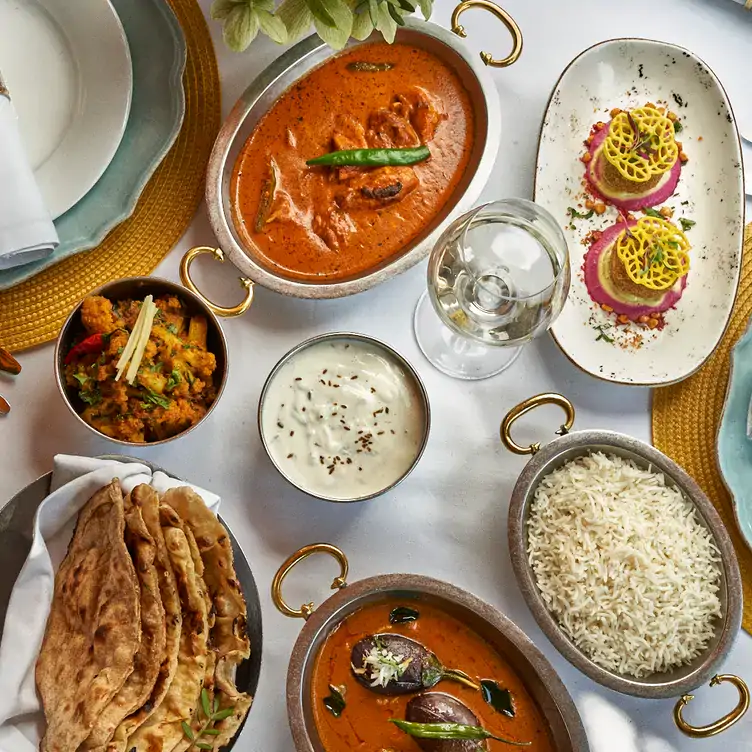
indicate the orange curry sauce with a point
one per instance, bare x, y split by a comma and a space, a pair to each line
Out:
323, 222
364, 723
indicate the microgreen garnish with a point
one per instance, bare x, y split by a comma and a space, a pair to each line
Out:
335, 701
498, 698
687, 224
677, 126
602, 335
402, 615
212, 714
574, 214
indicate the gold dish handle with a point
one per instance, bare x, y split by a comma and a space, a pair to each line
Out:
550, 398
504, 17
185, 277
728, 720
314, 548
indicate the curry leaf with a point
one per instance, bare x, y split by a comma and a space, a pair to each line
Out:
335, 701
498, 698
241, 27
220, 715
403, 614
296, 17
336, 36
205, 703
272, 26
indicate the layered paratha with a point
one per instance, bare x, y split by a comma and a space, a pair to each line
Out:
139, 685
163, 728
94, 626
146, 499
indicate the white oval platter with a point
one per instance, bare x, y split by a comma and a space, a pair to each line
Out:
627, 73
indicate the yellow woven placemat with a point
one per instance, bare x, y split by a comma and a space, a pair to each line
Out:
34, 311
686, 418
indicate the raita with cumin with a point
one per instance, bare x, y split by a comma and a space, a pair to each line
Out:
343, 418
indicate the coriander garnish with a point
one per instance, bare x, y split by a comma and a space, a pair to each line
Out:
574, 214
687, 224
602, 335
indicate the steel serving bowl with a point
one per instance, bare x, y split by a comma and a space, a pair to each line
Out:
296, 63
392, 355
530, 665
138, 288
580, 443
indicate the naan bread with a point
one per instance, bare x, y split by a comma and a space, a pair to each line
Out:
229, 632
94, 627
145, 498
139, 685
163, 729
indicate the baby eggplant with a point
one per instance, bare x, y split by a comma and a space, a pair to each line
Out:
390, 664
439, 707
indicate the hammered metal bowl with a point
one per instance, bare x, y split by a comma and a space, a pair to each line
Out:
568, 447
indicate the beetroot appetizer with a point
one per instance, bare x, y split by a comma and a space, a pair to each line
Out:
639, 268
634, 160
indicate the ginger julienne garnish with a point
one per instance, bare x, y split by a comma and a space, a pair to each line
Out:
640, 144
655, 253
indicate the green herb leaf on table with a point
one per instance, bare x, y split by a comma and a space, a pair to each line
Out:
678, 127
362, 25
602, 335
335, 701
336, 35
385, 23
653, 213
574, 214
321, 13
403, 615
450, 731
687, 224
240, 27
296, 17
426, 8
498, 698
272, 26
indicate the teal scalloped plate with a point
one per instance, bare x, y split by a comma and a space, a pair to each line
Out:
733, 448
158, 53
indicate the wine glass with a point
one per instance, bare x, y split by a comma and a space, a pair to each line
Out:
497, 277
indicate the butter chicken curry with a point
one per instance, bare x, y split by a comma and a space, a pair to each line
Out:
400, 677
331, 222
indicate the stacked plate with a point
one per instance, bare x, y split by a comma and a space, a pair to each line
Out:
97, 85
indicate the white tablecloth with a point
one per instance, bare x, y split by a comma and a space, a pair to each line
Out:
448, 519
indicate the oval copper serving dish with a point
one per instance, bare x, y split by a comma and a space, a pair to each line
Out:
567, 447
283, 73
540, 679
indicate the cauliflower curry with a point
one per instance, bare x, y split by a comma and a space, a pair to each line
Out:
173, 388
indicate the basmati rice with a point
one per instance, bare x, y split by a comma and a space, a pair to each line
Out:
624, 564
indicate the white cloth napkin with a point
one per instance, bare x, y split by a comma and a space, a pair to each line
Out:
26, 230
74, 481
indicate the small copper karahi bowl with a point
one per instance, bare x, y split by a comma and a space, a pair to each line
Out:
568, 446
138, 288
540, 678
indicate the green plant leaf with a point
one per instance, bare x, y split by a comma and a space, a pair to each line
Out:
406, 6
204, 745
216, 703
296, 17
373, 11
267, 5
426, 7
205, 703
362, 25
395, 14
220, 9
320, 10
337, 36
220, 715
272, 26
241, 27
187, 730
211, 732
386, 24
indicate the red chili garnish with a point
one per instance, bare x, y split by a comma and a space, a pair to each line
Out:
93, 344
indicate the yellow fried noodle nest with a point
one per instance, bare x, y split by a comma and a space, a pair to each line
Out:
655, 253
641, 155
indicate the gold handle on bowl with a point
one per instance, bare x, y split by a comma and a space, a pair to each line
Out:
185, 277
728, 720
504, 17
549, 398
303, 553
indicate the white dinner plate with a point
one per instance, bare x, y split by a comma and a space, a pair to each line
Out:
628, 73
68, 69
